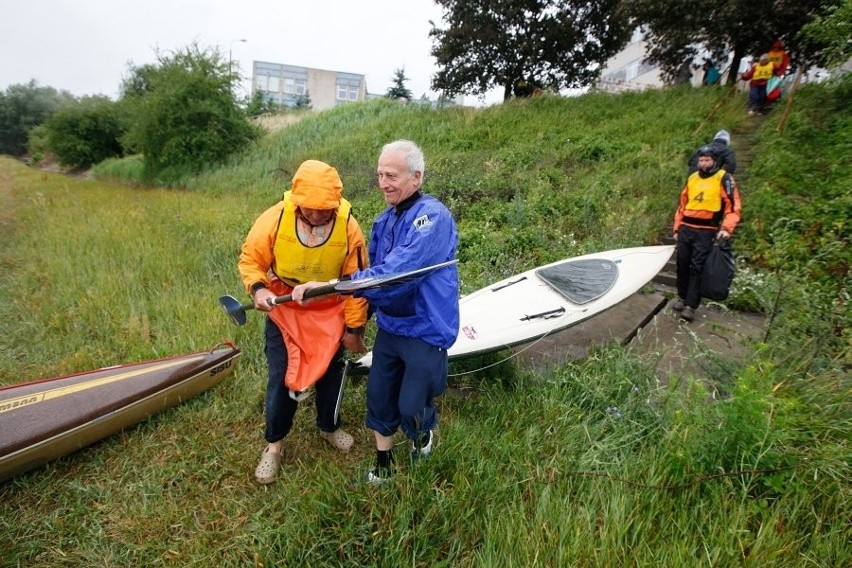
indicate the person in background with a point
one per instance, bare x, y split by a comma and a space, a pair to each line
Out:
684, 73
709, 209
779, 57
712, 76
758, 76
417, 321
310, 234
721, 145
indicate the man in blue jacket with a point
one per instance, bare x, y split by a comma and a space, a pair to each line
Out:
417, 321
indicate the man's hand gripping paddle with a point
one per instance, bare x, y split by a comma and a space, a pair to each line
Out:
237, 311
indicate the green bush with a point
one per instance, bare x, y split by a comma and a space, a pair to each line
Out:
183, 116
130, 170
86, 133
22, 108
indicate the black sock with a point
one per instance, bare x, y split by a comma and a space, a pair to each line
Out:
384, 459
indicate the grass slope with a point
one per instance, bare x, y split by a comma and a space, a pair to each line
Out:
594, 464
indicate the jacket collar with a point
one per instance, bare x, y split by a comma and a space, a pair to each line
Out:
406, 204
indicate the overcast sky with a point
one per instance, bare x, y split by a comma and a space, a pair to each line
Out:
85, 46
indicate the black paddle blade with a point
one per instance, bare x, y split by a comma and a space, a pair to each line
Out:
234, 309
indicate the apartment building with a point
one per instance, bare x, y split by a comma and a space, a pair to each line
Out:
286, 85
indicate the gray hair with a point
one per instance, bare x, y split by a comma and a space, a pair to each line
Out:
414, 160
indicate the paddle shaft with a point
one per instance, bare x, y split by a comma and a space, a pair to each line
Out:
323, 290
237, 311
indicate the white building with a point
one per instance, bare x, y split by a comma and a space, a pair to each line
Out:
286, 85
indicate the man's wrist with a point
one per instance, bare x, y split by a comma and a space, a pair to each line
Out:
354, 330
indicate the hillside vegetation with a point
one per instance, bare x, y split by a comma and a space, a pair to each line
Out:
530, 469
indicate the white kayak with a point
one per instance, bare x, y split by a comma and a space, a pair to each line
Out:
550, 298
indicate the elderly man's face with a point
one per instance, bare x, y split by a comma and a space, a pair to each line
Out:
317, 217
396, 183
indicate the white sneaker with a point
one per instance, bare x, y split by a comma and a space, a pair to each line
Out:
423, 451
375, 479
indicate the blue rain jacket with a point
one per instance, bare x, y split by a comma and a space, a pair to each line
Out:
420, 233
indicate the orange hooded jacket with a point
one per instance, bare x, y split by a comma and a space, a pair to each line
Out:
312, 332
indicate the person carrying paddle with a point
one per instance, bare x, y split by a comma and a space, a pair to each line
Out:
709, 209
781, 60
417, 321
309, 235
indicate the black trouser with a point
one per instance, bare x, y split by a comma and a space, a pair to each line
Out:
693, 248
280, 407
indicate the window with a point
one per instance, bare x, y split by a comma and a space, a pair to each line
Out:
294, 86
347, 92
267, 83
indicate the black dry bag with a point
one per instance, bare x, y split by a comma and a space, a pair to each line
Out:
718, 272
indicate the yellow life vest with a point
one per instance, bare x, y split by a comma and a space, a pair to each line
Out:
296, 262
704, 194
763, 72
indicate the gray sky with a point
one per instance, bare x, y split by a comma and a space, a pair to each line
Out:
84, 46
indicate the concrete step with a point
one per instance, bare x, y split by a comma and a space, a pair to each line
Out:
665, 279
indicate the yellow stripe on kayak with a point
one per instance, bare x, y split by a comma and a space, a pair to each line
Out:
37, 397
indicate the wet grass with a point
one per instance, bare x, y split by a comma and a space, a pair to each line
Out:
592, 464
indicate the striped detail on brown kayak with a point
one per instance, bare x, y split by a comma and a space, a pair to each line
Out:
43, 420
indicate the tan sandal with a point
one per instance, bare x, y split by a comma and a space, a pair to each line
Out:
339, 439
267, 469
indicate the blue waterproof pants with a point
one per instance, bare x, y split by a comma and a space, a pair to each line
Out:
406, 376
757, 98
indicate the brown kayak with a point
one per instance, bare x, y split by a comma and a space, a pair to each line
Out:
43, 420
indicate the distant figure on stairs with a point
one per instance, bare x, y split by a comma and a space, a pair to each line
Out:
781, 59
758, 76
721, 145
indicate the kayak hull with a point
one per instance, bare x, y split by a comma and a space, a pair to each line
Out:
547, 299
43, 420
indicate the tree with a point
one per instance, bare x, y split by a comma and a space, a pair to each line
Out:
303, 102
183, 115
258, 104
22, 108
85, 133
399, 90
827, 35
676, 31
494, 43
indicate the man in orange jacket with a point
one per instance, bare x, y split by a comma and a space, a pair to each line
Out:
709, 209
309, 235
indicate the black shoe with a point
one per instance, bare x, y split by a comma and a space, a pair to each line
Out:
687, 314
678, 306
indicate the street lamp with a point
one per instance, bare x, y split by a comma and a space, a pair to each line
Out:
230, 48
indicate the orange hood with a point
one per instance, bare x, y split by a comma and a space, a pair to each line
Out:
316, 185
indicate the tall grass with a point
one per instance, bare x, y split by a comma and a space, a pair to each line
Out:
594, 463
